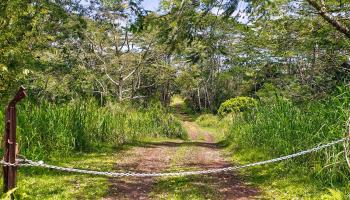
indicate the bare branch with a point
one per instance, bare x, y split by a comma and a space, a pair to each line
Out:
135, 97
329, 18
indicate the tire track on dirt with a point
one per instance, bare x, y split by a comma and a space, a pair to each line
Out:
227, 185
148, 158
200, 152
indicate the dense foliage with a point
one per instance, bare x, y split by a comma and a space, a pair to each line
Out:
209, 51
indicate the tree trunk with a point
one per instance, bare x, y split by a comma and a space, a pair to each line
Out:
199, 99
133, 88
120, 89
208, 98
329, 18
168, 94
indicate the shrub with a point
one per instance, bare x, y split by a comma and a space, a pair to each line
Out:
237, 104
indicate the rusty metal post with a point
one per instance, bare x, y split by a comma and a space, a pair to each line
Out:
10, 141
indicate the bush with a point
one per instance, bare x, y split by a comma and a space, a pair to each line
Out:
237, 104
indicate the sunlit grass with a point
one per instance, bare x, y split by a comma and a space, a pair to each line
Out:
38, 183
50, 130
281, 128
285, 180
177, 100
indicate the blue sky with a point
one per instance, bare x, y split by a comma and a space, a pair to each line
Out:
150, 4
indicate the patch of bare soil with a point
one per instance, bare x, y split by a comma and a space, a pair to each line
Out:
229, 185
156, 157
150, 158
192, 130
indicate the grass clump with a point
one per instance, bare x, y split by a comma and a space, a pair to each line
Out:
208, 120
49, 130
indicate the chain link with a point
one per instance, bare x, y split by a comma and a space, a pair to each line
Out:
30, 163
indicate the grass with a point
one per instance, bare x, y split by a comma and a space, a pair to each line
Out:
38, 183
183, 188
284, 128
281, 128
285, 180
214, 124
269, 131
181, 109
51, 130
82, 135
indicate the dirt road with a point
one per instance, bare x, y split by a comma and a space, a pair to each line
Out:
199, 152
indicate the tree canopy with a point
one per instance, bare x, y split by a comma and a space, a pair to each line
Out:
207, 50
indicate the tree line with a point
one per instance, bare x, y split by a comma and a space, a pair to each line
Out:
206, 50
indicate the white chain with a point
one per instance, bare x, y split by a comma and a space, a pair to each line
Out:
30, 163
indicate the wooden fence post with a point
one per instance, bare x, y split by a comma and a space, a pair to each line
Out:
10, 149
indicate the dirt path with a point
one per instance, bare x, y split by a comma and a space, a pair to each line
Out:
200, 152
148, 158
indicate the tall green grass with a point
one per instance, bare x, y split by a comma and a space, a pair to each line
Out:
47, 130
283, 127
214, 121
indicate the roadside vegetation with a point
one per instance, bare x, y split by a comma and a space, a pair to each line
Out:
280, 127
48, 129
82, 134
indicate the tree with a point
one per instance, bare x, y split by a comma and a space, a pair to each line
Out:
27, 28
331, 17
